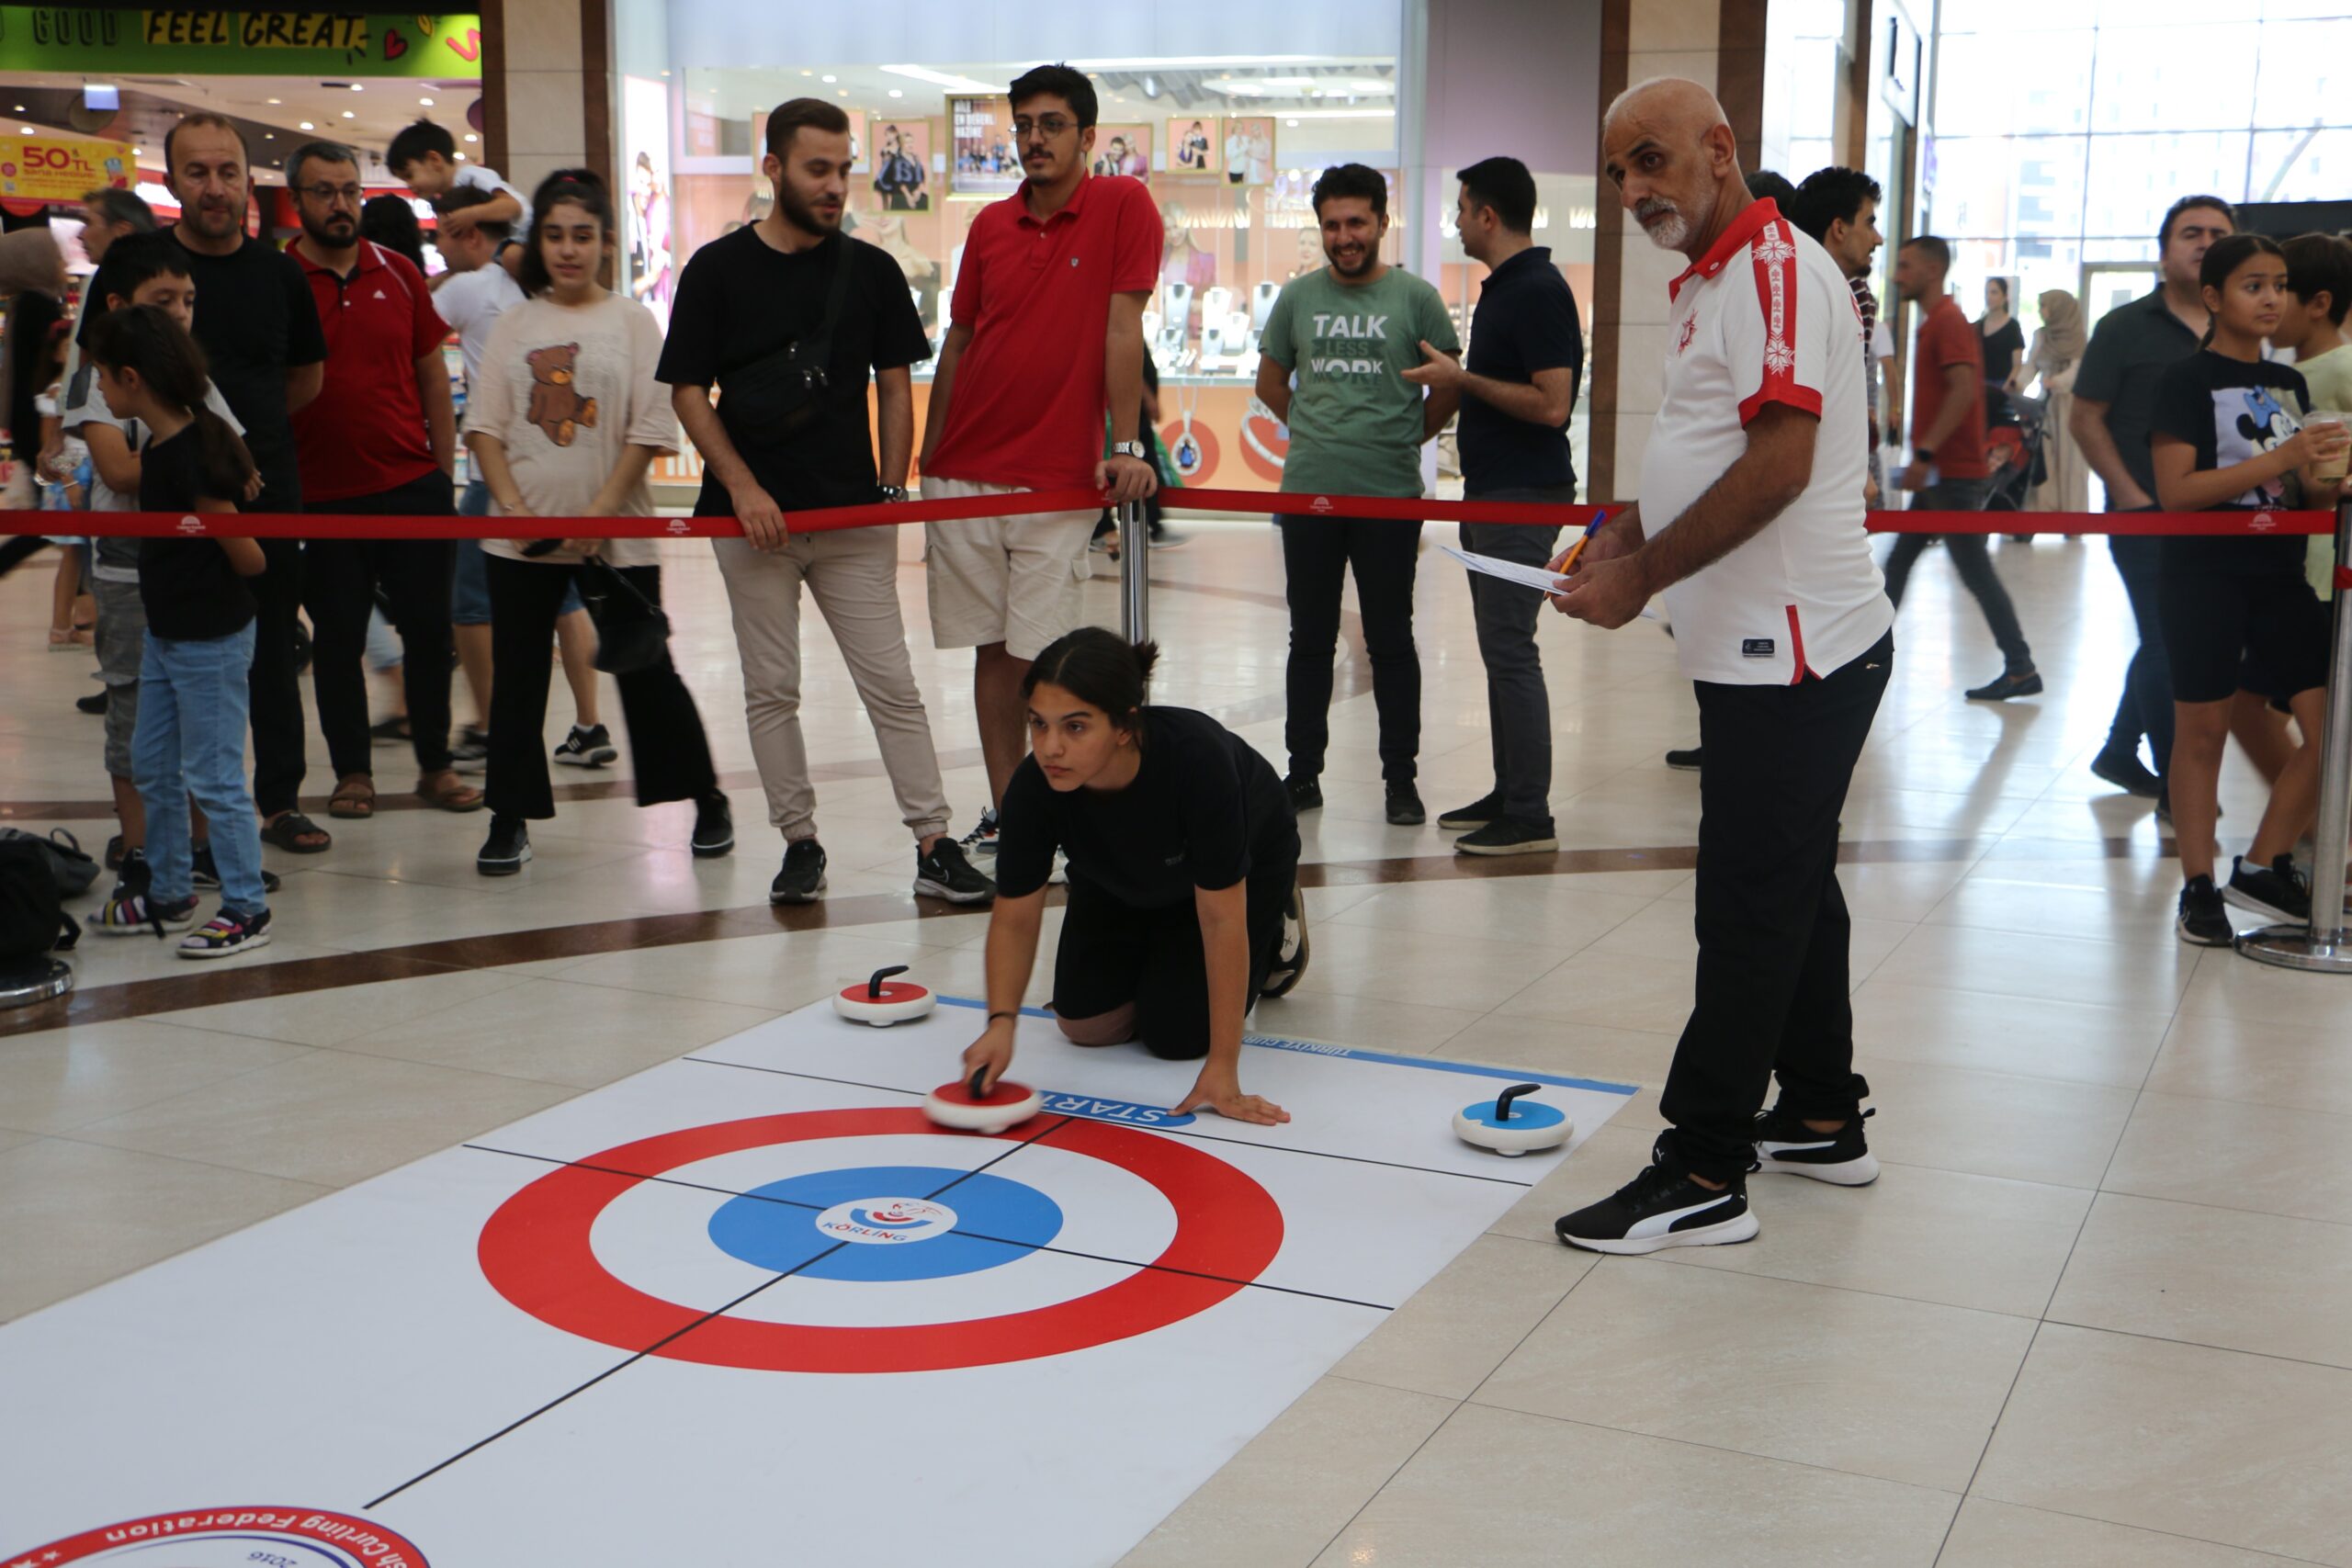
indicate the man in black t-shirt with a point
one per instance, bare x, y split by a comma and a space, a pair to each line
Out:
754, 315
260, 334
1526, 357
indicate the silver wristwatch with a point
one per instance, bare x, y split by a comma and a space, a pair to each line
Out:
1134, 449
894, 492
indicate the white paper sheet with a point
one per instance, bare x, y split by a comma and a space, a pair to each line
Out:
1508, 571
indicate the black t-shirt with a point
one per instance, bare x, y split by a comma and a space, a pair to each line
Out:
741, 300
1526, 322
1203, 808
1998, 346
2231, 410
188, 588
256, 319
2128, 355
35, 317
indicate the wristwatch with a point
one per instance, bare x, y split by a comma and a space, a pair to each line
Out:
1134, 449
894, 492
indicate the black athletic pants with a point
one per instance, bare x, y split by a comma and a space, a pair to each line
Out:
274, 685
667, 746
339, 584
1317, 554
1772, 925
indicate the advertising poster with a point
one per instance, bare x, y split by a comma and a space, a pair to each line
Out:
187, 39
1249, 150
1194, 145
645, 223
902, 163
983, 160
61, 168
1122, 150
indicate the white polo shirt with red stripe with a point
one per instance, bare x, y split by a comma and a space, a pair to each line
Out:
1766, 317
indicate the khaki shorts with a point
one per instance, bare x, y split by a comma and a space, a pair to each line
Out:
1017, 580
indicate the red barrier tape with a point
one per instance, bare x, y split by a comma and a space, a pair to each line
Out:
1259, 503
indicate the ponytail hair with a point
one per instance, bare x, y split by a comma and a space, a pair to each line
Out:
584, 189
142, 338
2224, 257
1100, 669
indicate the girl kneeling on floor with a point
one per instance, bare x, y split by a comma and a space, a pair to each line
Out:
564, 421
190, 741
1184, 906
2230, 436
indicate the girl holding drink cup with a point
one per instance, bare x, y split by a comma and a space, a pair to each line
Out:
2230, 435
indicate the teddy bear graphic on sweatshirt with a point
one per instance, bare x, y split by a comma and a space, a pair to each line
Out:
557, 406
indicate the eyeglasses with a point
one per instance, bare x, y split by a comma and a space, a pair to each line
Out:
1049, 127
324, 192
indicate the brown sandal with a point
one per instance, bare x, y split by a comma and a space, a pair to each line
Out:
449, 792
354, 799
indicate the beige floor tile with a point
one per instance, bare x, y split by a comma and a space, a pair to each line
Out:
2002, 1535
1464, 972
327, 1117
2230, 986
1567, 1050
1359, 1020
1499, 1489
1925, 1235
2024, 1037
778, 972
2210, 1058
330, 1017
1554, 912
1457, 1328
1991, 901
61, 1078
2266, 1158
1298, 1483
1992, 1123
2210, 1444
1905, 1391
73, 1215
2220, 1277
560, 1032
1621, 990
2060, 969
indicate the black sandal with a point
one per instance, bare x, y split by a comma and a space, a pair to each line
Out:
288, 830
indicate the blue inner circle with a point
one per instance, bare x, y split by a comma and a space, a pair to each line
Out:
774, 1226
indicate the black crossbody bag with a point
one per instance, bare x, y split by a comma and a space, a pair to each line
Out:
775, 396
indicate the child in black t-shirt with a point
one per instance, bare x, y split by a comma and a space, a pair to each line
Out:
199, 644
2229, 437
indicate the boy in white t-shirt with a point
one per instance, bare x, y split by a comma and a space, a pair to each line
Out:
141, 269
424, 157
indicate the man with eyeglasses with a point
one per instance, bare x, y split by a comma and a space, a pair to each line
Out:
1046, 341
381, 441
259, 329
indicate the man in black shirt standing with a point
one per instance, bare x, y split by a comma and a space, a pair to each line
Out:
260, 334
1526, 357
789, 317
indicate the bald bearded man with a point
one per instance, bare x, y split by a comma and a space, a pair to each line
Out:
1750, 522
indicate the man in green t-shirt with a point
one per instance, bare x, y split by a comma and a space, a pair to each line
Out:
1348, 331
2319, 289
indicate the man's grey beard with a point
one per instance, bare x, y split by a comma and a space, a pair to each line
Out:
1672, 230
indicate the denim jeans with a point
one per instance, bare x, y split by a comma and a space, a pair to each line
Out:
191, 742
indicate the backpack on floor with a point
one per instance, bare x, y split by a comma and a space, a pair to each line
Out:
33, 921
69, 865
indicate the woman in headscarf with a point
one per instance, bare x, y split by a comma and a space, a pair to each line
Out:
2056, 354
33, 277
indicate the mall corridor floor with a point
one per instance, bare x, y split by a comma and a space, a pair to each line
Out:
2091, 1313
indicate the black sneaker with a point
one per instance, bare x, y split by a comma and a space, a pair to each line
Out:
1843, 1157
1477, 814
95, 703
2204, 918
1661, 1208
1509, 836
589, 748
508, 846
1684, 762
1405, 808
2280, 892
2005, 686
471, 752
714, 827
980, 842
2127, 773
204, 871
1290, 957
1305, 795
227, 934
946, 874
802, 877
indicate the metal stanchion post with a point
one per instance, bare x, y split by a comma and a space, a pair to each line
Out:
2324, 944
1135, 573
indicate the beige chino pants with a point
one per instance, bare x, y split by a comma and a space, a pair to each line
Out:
852, 574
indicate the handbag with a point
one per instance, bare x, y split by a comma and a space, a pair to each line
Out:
775, 396
69, 865
632, 631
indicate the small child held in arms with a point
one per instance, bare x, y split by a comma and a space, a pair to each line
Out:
424, 157
200, 642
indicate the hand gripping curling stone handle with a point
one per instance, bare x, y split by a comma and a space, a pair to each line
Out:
1502, 1100
979, 1075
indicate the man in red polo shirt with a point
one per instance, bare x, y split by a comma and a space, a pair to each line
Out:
1047, 336
380, 440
